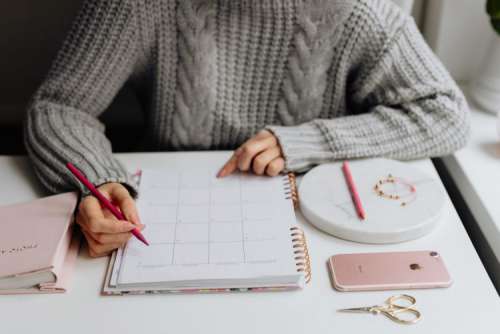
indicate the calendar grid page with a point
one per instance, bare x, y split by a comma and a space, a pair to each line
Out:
205, 228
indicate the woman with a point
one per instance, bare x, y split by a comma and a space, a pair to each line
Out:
292, 83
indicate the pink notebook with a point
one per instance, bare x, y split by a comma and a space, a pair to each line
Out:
37, 247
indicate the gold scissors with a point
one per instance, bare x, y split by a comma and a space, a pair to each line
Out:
398, 308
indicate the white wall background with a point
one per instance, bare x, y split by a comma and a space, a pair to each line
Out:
459, 32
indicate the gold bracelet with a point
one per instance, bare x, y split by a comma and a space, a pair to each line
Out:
393, 180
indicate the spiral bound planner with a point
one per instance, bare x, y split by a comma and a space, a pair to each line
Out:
208, 234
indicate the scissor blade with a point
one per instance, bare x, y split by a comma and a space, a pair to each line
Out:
356, 310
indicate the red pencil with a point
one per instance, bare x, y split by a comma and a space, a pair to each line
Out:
352, 189
104, 201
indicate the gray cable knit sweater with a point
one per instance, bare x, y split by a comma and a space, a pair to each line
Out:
332, 79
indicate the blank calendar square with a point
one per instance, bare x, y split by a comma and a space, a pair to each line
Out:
195, 179
254, 195
160, 233
158, 180
224, 196
156, 255
228, 252
193, 214
225, 213
159, 214
248, 180
259, 230
185, 233
161, 197
232, 181
257, 212
259, 251
224, 232
194, 197
191, 253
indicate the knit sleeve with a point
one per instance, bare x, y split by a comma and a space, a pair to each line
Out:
402, 104
95, 60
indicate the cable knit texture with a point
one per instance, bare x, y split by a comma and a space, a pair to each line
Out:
332, 79
196, 95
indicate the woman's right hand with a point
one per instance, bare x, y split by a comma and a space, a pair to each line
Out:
105, 233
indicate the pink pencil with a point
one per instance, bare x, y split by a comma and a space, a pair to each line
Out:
104, 201
352, 189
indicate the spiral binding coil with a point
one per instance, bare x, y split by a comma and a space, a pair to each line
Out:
291, 189
301, 252
300, 249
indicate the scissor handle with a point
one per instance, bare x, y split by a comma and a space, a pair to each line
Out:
394, 308
393, 315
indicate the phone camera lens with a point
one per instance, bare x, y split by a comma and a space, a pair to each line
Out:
434, 254
415, 266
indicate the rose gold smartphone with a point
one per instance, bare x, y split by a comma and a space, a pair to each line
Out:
388, 271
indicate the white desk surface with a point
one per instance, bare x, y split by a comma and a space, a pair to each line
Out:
476, 172
471, 305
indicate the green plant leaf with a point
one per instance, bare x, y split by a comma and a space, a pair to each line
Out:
493, 8
496, 25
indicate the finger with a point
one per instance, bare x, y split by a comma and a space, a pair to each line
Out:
90, 240
252, 148
108, 214
101, 251
81, 219
118, 193
96, 249
263, 134
230, 167
129, 209
112, 239
108, 226
275, 167
261, 162
90, 208
94, 254
92, 245
108, 238
121, 197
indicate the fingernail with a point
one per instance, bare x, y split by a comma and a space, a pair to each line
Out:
143, 227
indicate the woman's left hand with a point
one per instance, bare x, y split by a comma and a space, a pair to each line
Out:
261, 154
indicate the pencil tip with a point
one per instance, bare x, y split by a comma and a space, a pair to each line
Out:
141, 238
